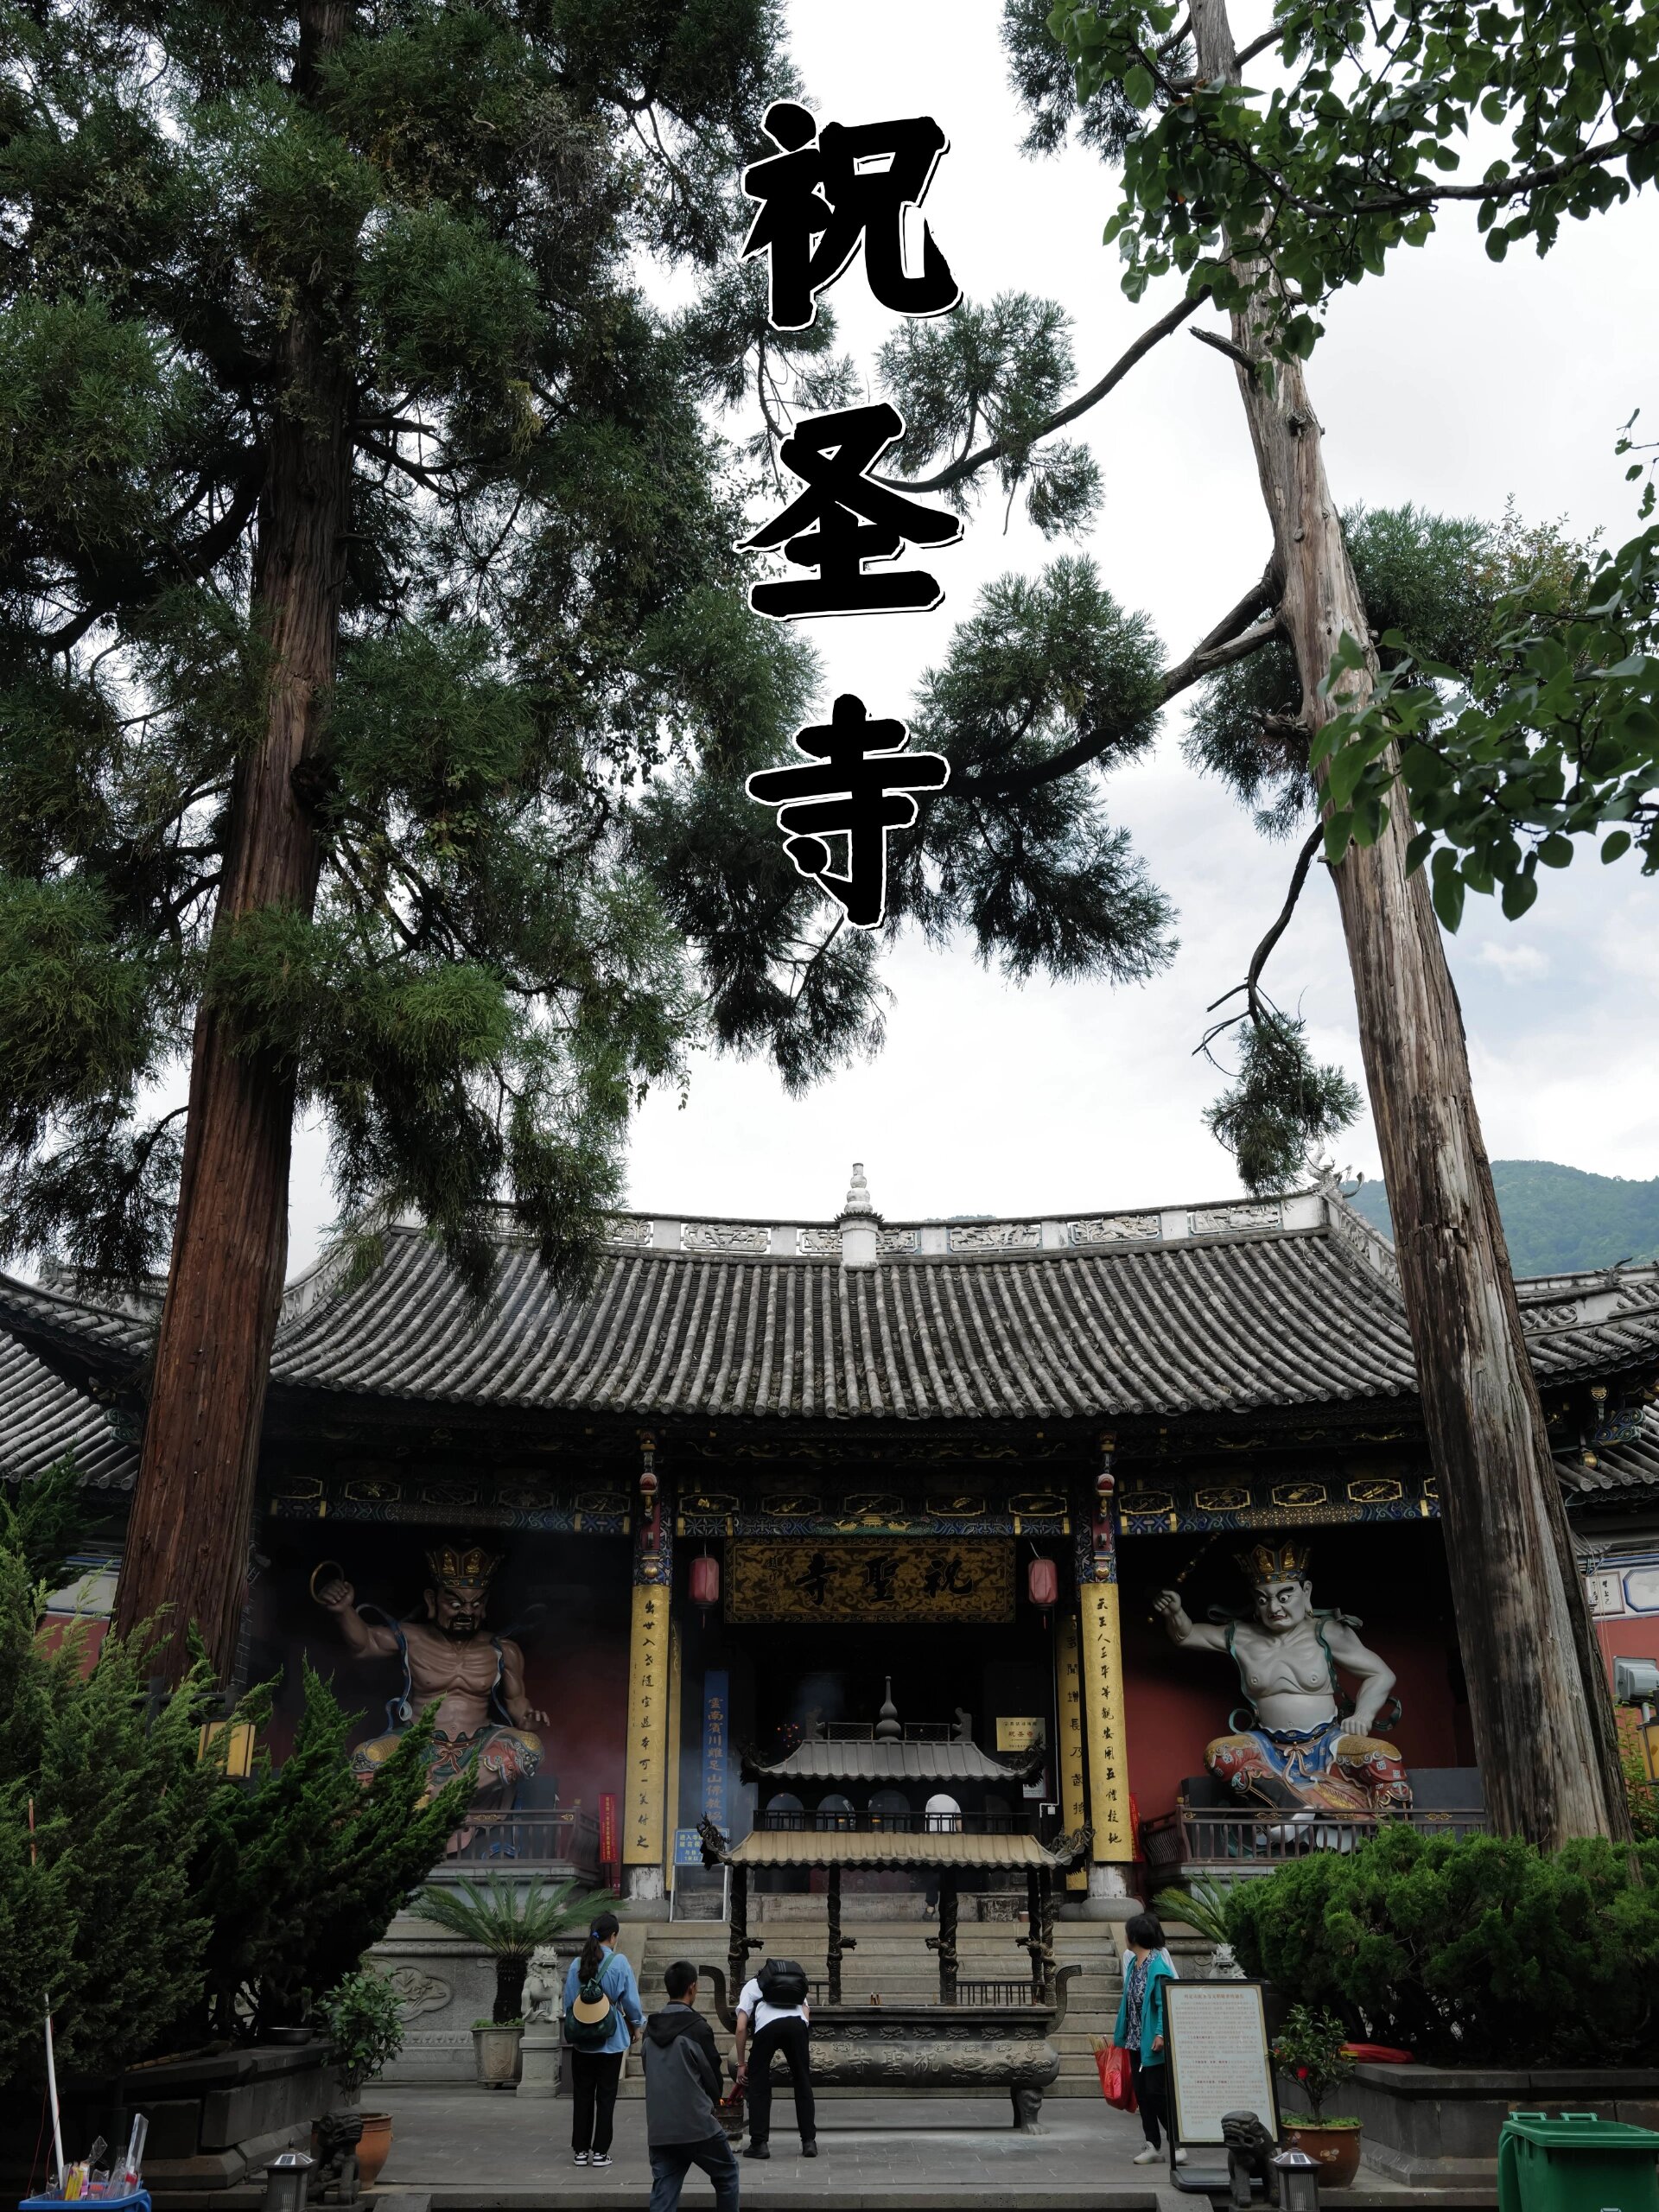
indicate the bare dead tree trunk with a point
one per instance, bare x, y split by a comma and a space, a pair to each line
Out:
1543, 1724
188, 1537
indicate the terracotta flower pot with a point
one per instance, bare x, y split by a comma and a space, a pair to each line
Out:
498, 2055
1336, 2150
374, 2146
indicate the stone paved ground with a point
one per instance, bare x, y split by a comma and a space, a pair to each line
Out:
459, 2150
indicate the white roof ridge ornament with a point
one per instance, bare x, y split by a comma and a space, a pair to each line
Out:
859, 1224
857, 1200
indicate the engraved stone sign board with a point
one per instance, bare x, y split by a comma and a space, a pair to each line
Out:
1218, 2062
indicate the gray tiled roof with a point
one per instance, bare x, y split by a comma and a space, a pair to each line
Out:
1225, 1325
947, 1762
41, 1417
1208, 1311
1634, 1466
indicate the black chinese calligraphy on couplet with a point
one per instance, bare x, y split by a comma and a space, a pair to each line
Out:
828, 191
860, 789
842, 520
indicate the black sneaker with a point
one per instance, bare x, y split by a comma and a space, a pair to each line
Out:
759, 2151
809, 2148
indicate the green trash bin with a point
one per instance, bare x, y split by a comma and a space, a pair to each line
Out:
1576, 2162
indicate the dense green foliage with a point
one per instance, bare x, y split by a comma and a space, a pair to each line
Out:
364, 2020
509, 1919
1282, 1105
1440, 579
1545, 725
1036, 875
1043, 664
542, 607
992, 377
1479, 1951
300, 1869
541, 886
158, 1900
1357, 134
96, 1905
1552, 735
1445, 576
1201, 1905
44, 1519
1643, 1793
1558, 1218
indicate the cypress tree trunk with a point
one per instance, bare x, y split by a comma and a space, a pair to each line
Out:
1543, 1722
188, 1536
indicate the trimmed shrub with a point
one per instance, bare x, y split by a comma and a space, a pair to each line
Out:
1479, 1950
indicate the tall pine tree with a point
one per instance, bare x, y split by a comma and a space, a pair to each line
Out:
376, 677
1224, 184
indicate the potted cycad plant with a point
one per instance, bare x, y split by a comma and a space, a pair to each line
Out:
508, 1919
1203, 1906
1310, 2053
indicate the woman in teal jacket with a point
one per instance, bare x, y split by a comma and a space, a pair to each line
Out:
1141, 2028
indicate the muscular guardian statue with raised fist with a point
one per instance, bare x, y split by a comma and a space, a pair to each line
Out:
450, 1660
1307, 1747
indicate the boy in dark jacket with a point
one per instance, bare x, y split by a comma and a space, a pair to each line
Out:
683, 2086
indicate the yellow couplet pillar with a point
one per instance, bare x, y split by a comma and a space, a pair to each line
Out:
1072, 1754
1102, 1711
648, 1715
675, 1698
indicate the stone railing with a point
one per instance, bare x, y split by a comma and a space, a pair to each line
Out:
1221, 1841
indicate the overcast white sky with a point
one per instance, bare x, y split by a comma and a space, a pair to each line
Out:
1453, 383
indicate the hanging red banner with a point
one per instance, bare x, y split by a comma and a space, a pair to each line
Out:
610, 1857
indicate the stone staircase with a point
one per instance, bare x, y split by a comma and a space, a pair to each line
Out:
892, 1960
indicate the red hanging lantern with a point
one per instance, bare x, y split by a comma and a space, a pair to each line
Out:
1043, 1583
1105, 1482
705, 1583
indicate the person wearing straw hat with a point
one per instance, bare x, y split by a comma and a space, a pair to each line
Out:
602, 2017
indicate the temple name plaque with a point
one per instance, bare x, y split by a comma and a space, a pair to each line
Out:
1218, 2058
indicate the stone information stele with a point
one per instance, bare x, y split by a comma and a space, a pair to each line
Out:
1218, 2059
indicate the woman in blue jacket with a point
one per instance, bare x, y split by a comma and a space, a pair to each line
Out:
1141, 2027
595, 2075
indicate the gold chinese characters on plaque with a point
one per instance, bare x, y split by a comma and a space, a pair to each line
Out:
648, 1730
863, 1579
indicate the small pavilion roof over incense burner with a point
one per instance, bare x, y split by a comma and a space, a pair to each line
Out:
932, 1752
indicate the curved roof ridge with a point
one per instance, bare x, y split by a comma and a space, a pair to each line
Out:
1228, 1309
40, 1312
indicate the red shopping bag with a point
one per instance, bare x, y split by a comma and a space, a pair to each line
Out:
1117, 2083
729, 2111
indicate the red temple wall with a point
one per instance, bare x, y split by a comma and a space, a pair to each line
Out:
1634, 1635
